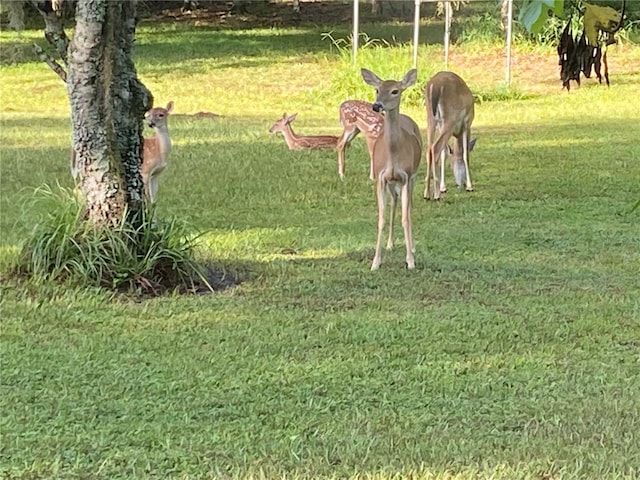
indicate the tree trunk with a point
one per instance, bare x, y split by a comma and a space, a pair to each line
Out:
108, 104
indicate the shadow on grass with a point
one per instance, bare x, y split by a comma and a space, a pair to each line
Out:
161, 46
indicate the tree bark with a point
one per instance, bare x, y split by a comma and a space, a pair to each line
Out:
108, 103
54, 26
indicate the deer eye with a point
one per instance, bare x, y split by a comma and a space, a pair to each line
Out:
394, 91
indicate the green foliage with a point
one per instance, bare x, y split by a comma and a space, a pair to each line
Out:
389, 61
534, 13
478, 28
146, 255
376, 54
487, 29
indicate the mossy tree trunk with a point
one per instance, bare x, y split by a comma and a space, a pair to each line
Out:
108, 103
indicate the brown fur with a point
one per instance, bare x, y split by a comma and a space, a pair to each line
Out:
301, 142
357, 116
156, 150
396, 158
450, 112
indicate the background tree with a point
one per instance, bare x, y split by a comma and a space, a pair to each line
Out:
113, 241
108, 102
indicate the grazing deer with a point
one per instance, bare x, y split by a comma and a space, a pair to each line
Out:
300, 142
449, 113
156, 150
396, 157
357, 116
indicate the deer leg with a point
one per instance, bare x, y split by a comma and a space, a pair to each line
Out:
370, 143
429, 158
343, 142
380, 191
394, 202
465, 158
412, 184
425, 195
431, 172
436, 152
145, 183
75, 171
406, 222
436, 180
153, 188
443, 161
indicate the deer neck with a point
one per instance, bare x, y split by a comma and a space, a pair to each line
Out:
163, 140
290, 137
392, 130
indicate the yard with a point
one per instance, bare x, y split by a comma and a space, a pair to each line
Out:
511, 352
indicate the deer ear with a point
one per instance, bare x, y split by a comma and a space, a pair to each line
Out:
472, 143
370, 78
170, 107
410, 78
291, 118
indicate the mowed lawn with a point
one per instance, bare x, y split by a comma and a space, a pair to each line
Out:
511, 352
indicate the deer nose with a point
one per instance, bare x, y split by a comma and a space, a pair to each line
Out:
377, 107
151, 124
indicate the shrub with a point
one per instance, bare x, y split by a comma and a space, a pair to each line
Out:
147, 256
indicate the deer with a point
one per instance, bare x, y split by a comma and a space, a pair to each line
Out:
358, 116
396, 157
450, 111
301, 142
156, 150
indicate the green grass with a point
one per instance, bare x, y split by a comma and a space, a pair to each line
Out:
511, 352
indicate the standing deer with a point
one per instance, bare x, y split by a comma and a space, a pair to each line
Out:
449, 113
357, 116
396, 157
300, 142
154, 155
156, 150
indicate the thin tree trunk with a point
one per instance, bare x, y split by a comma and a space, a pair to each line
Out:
108, 103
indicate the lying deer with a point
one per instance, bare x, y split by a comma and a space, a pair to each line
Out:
156, 150
357, 116
300, 142
396, 157
449, 113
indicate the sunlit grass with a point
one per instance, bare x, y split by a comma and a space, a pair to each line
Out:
510, 353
